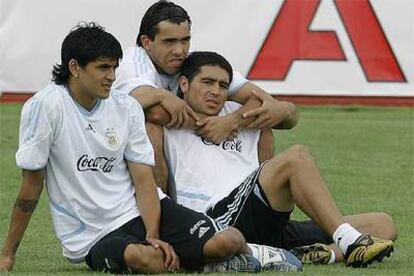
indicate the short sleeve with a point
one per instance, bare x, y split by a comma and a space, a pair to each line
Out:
237, 82
135, 70
139, 148
36, 135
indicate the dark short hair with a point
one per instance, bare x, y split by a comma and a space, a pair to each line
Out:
85, 43
161, 11
192, 64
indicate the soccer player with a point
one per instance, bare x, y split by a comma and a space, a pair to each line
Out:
226, 181
89, 143
149, 72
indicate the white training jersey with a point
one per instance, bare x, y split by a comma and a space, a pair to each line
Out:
87, 179
204, 173
136, 69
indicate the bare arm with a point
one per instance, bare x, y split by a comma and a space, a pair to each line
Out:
32, 186
150, 209
162, 107
147, 197
266, 148
271, 113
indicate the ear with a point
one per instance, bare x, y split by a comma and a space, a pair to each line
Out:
146, 42
183, 81
74, 67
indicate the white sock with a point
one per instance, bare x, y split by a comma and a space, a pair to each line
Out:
333, 257
345, 235
255, 249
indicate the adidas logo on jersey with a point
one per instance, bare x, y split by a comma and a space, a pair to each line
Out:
90, 128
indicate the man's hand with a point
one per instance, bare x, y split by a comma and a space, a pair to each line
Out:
172, 261
217, 129
179, 110
7, 263
270, 114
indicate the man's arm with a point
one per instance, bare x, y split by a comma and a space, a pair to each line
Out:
260, 110
32, 186
162, 107
149, 206
271, 113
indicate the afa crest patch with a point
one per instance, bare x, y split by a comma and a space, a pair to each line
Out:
111, 138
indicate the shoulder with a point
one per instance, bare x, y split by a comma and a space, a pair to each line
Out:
124, 101
47, 99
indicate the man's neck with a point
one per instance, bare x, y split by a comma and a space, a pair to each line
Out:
80, 97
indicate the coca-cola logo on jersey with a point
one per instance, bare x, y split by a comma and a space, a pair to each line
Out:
100, 163
228, 144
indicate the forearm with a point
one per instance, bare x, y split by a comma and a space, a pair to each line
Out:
148, 96
147, 197
24, 206
291, 116
158, 115
150, 209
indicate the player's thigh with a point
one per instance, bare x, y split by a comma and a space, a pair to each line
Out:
187, 231
108, 253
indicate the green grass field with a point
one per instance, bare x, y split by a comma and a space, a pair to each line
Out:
365, 154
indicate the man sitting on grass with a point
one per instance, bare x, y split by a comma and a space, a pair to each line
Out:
89, 143
225, 181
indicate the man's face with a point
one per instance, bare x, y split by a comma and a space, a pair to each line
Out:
208, 90
96, 78
169, 47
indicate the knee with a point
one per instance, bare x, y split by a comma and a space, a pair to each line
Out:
296, 155
135, 259
226, 243
388, 226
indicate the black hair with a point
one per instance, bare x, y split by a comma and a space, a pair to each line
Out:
192, 64
86, 42
161, 11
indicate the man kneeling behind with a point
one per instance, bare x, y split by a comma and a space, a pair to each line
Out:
227, 183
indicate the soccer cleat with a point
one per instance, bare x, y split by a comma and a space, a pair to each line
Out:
276, 259
366, 250
317, 253
237, 263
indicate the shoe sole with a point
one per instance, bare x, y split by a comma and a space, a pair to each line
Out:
386, 253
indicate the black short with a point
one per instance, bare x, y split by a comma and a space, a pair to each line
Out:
248, 209
187, 231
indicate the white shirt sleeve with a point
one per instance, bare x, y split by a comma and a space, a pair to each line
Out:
139, 148
237, 82
36, 134
135, 70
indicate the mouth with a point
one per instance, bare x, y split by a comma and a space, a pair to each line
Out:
176, 62
212, 102
107, 87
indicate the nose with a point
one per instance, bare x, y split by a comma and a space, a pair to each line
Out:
215, 89
178, 49
111, 74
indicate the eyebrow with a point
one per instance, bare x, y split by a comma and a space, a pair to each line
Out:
215, 79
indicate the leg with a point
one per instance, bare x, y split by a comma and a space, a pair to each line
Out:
266, 145
225, 244
123, 250
303, 235
160, 170
293, 177
144, 259
380, 225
